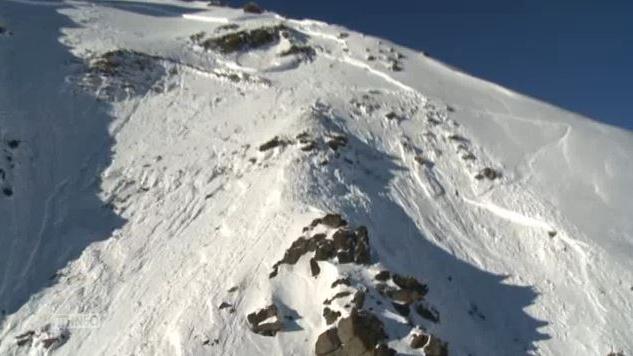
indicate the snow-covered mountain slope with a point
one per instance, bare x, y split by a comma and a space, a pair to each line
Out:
169, 168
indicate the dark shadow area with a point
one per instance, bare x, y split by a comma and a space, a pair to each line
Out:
479, 313
55, 211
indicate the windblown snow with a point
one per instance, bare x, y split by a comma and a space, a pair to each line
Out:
184, 179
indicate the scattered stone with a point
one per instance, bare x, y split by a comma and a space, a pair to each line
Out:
330, 315
382, 276
428, 312
266, 321
314, 267
327, 342
252, 8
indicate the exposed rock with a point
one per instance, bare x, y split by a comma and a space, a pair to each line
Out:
410, 283
330, 315
382, 276
343, 239
303, 51
402, 309
344, 257
360, 332
325, 250
252, 8
266, 321
419, 341
428, 312
337, 142
244, 40
225, 305
338, 295
359, 299
327, 342
384, 350
488, 173
314, 267
403, 296
342, 281
436, 347
458, 138
333, 221
274, 142
13, 144
362, 254
25, 339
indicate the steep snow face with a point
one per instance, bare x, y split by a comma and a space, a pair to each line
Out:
164, 163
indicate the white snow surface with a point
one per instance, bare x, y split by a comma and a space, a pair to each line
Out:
132, 216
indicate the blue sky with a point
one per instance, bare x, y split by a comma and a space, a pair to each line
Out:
575, 54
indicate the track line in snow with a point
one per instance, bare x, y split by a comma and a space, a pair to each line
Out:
512, 216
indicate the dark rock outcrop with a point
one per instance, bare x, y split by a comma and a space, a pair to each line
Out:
266, 321
330, 315
327, 343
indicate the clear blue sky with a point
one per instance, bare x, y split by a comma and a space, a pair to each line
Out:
575, 54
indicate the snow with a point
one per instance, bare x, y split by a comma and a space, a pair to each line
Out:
133, 214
